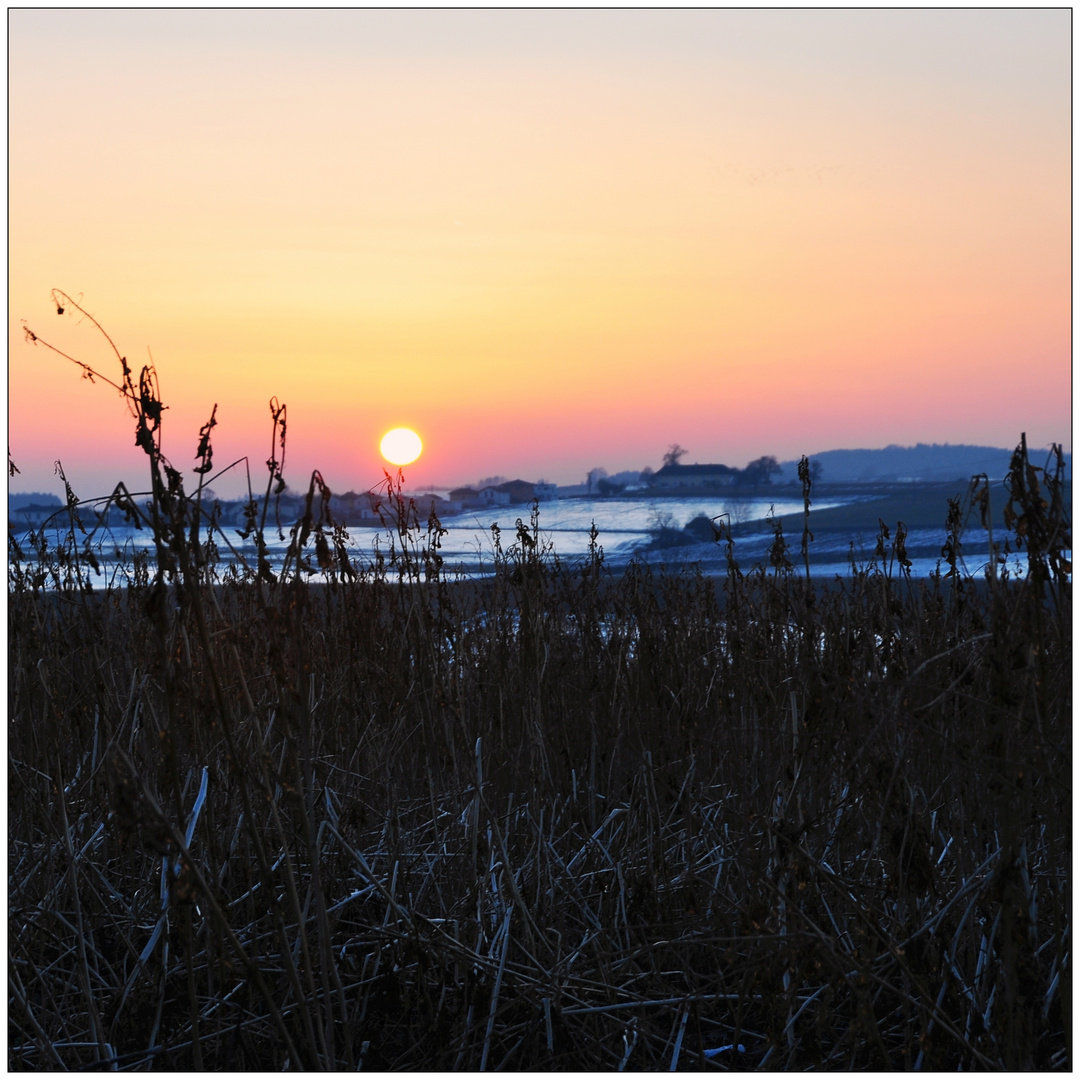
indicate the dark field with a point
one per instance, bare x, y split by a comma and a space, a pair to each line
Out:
565, 819
919, 506
846, 539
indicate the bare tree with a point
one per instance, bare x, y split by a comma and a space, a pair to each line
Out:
595, 475
674, 452
739, 507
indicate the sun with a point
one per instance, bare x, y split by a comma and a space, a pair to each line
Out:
401, 446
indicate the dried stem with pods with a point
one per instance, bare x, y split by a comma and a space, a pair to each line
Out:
560, 817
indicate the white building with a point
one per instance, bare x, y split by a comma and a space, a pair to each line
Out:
492, 496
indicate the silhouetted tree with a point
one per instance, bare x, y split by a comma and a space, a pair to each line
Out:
674, 452
595, 474
609, 487
761, 470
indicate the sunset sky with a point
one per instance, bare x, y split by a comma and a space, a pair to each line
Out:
546, 240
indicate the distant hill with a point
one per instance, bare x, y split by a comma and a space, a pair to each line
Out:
921, 462
17, 500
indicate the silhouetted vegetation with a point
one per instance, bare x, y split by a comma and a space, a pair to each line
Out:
557, 819
760, 471
674, 454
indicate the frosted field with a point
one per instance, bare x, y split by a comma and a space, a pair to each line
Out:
625, 529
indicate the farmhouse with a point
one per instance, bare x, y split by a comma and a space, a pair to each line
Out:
520, 491
488, 496
34, 514
493, 496
672, 477
504, 494
430, 503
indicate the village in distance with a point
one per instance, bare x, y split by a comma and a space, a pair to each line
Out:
833, 473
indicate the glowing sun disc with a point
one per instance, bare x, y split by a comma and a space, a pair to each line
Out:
401, 446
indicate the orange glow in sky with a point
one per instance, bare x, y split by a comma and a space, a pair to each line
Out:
549, 240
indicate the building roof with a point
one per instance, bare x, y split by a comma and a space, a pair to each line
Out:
689, 471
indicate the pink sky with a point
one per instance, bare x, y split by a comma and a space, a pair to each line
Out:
545, 240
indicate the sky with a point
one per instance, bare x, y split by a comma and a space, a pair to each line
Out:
545, 240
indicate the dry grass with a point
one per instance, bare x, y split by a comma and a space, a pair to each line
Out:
561, 820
